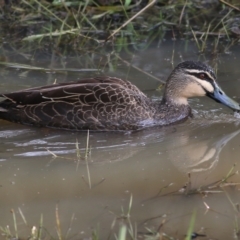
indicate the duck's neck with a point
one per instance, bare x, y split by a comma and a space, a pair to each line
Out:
176, 101
170, 111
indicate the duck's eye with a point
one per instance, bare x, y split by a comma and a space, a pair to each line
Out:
202, 76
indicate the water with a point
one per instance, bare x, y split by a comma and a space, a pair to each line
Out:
152, 165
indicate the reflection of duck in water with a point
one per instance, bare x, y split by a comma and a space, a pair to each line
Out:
200, 154
108, 103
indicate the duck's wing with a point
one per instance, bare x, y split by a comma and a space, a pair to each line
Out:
95, 103
104, 89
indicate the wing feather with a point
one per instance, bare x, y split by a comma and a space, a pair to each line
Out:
94, 103
87, 90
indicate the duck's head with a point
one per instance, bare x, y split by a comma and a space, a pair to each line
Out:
195, 79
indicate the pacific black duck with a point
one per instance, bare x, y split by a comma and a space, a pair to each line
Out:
109, 103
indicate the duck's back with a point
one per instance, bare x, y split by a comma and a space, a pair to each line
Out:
95, 103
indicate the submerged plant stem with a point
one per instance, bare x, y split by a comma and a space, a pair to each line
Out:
86, 158
59, 232
15, 223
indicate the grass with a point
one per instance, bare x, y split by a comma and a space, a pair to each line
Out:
80, 157
211, 188
35, 232
87, 30
191, 227
87, 25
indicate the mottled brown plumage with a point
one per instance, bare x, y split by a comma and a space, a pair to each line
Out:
106, 103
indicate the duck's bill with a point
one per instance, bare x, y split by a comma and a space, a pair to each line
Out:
219, 96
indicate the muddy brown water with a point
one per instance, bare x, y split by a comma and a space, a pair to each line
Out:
121, 165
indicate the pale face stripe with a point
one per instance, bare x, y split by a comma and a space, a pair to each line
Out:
204, 83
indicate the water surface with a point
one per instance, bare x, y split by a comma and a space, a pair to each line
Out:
152, 165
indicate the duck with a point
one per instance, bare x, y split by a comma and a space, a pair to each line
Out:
113, 104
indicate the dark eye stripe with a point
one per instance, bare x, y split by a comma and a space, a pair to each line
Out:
207, 78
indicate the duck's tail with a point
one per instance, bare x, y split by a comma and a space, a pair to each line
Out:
3, 109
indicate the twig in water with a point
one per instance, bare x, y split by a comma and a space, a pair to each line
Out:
129, 20
230, 5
